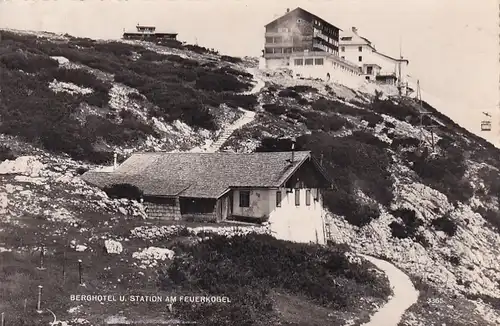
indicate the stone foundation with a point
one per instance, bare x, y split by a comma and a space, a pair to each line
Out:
163, 211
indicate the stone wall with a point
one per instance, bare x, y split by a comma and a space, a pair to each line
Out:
200, 217
163, 211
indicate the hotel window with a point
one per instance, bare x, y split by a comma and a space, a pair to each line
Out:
342, 49
360, 58
244, 198
297, 197
360, 49
343, 58
309, 62
318, 61
308, 197
298, 62
278, 198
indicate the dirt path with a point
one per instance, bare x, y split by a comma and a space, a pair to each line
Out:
404, 296
247, 117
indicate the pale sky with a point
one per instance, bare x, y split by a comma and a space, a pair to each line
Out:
452, 45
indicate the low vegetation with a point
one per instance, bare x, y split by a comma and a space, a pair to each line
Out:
6, 153
179, 88
232, 268
445, 173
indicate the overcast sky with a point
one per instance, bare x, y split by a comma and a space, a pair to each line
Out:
452, 45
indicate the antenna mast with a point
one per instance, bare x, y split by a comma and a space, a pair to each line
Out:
399, 67
431, 126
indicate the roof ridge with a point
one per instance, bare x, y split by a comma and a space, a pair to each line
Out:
219, 153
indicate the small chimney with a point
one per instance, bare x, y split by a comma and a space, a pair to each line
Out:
293, 150
354, 30
115, 164
287, 10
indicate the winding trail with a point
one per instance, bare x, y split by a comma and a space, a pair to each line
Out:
404, 296
247, 117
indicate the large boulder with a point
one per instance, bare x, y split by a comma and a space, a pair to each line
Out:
24, 165
113, 247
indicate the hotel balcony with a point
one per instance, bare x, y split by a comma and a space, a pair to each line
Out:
322, 36
278, 34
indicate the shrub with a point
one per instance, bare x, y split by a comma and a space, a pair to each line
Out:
410, 224
445, 224
220, 83
135, 96
491, 216
231, 71
341, 108
275, 108
445, 173
368, 138
230, 59
6, 153
326, 123
405, 142
399, 111
491, 179
389, 124
303, 89
116, 48
81, 170
269, 144
289, 93
372, 119
247, 102
183, 61
129, 131
123, 190
148, 55
345, 204
27, 62
353, 164
199, 49
174, 44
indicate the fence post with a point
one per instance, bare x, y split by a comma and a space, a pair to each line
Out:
25, 305
42, 249
3, 319
64, 266
39, 303
80, 271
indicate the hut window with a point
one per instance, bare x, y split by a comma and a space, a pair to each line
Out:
297, 197
245, 198
308, 197
278, 198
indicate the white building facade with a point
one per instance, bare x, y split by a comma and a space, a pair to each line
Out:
294, 215
361, 52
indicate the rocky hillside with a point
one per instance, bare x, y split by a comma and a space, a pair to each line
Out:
67, 103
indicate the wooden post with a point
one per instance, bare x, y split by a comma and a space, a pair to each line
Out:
42, 249
2, 318
80, 271
25, 305
39, 303
64, 266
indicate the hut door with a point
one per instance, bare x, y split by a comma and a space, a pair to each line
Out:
230, 204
